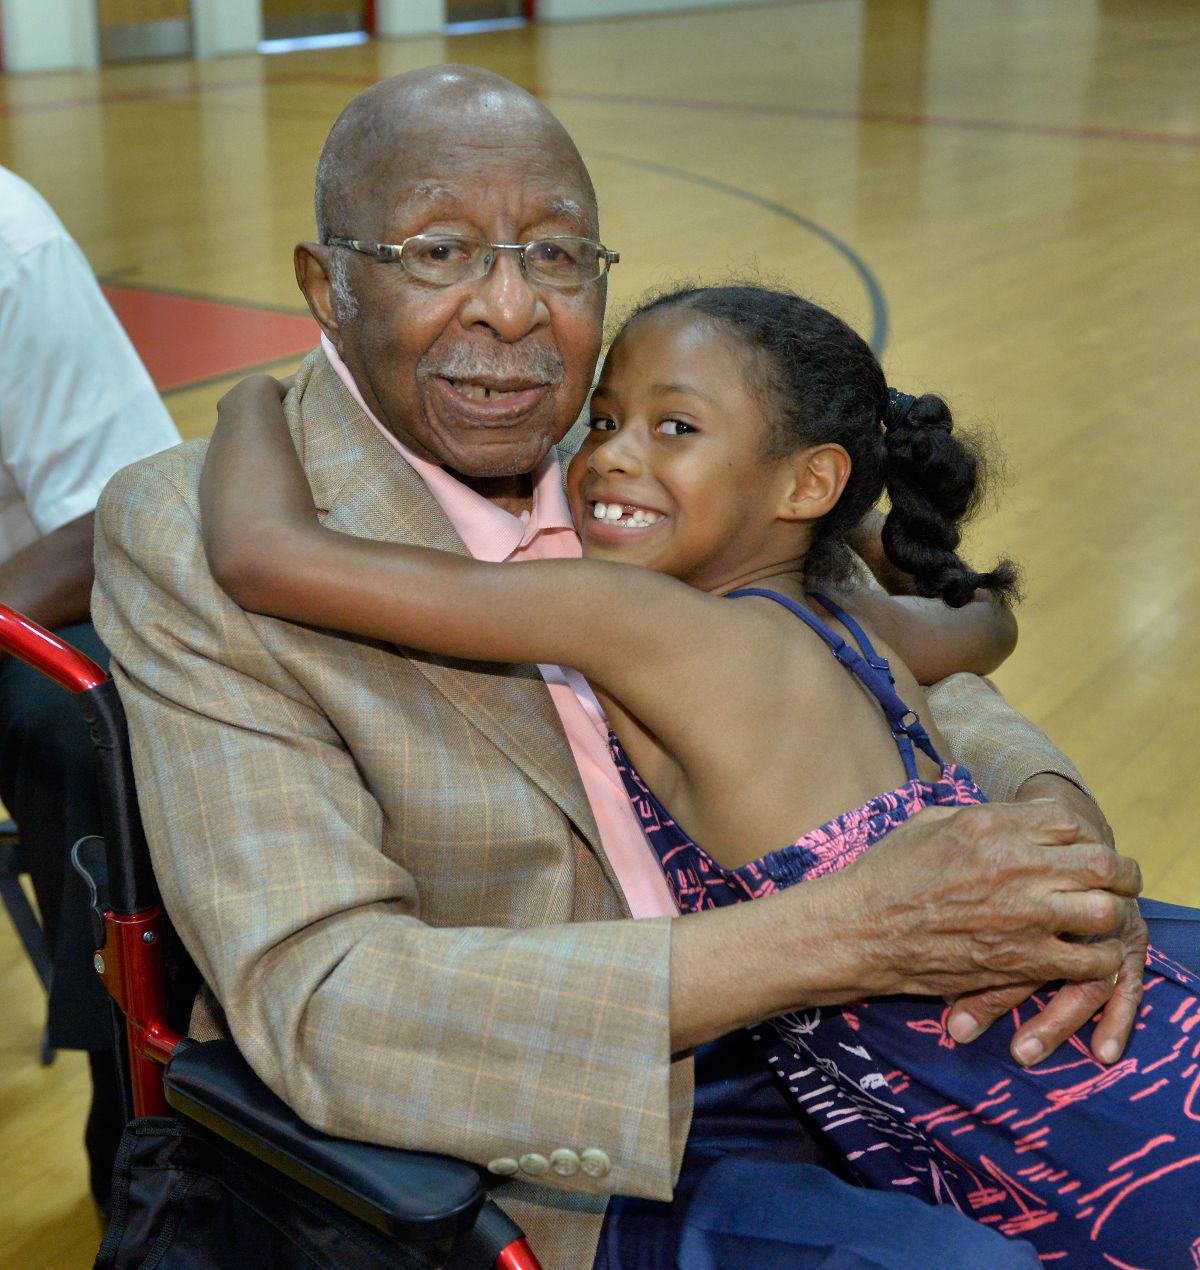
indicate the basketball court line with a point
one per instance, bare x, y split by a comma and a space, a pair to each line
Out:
1003, 126
1015, 127
875, 295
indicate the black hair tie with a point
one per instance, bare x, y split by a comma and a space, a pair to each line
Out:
898, 408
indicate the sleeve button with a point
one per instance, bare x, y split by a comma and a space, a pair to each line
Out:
534, 1164
504, 1166
594, 1162
564, 1162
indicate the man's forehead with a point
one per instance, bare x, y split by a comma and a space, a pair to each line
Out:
437, 196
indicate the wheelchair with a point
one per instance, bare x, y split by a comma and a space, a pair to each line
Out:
435, 1208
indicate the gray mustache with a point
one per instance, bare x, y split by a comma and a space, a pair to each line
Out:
537, 364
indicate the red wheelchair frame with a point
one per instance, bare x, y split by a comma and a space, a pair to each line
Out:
412, 1196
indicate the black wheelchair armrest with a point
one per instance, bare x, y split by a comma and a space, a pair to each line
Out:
412, 1196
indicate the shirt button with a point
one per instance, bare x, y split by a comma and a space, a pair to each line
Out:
534, 1164
594, 1162
564, 1162
505, 1166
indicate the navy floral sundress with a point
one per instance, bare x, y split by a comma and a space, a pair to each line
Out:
1096, 1166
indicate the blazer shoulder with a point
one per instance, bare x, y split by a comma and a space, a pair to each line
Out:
176, 467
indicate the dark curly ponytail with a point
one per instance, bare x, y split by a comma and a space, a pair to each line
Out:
820, 383
933, 483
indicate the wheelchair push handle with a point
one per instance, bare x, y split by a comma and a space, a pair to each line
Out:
133, 888
45, 652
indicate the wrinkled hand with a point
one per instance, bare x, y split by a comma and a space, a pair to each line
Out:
990, 898
1073, 1004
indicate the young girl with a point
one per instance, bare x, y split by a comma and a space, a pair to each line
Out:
737, 436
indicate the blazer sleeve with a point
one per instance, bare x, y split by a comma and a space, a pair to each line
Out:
501, 1041
1001, 748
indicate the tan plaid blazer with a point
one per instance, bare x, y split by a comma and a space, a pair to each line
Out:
384, 863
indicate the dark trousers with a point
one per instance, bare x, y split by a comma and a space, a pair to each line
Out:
756, 1192
49, 784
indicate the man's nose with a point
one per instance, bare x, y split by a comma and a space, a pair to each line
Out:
506, 301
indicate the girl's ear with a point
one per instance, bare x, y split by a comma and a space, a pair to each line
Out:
817, 477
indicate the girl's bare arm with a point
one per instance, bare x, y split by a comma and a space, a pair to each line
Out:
934, 640
269, 552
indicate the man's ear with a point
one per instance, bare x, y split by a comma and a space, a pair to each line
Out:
817, 477
312, 273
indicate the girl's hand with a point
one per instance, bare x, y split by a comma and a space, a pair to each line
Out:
866, 538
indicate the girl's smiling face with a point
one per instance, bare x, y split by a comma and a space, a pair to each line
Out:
673, 474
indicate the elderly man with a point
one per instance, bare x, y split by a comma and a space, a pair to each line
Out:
410, 883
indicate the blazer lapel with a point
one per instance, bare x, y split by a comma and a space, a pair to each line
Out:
363, 486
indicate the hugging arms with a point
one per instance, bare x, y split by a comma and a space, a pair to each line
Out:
386, 863
375, 857
269, 551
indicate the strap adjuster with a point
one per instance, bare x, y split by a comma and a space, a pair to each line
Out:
905, 724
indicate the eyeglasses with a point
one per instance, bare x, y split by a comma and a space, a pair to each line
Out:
444, 259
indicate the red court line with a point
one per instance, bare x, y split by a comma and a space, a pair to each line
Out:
1080, 131
879, 116
167, 92
183, 340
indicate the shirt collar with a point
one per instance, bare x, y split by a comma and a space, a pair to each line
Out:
488, 532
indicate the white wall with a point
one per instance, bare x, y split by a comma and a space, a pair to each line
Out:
49, 35
409, 17
40, 35
225, 26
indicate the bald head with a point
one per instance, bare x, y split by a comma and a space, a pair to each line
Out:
483, 375
391, 129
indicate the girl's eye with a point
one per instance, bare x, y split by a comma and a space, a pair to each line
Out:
675, 427
602, 423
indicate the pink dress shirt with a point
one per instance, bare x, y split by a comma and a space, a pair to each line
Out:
491, 533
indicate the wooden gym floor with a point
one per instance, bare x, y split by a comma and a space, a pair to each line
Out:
1003, 196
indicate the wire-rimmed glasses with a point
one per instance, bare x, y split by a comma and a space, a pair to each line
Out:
444, 259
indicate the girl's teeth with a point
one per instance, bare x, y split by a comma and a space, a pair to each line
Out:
614, 513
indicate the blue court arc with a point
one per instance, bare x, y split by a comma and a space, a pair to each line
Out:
875, 296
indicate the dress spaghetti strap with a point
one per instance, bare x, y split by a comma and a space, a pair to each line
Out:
868, 667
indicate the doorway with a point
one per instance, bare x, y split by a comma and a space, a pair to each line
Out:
461, 12
134, 29
308, 19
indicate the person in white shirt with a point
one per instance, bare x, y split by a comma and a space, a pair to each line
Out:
76, 405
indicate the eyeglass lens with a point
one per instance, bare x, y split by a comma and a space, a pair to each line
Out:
562, 262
